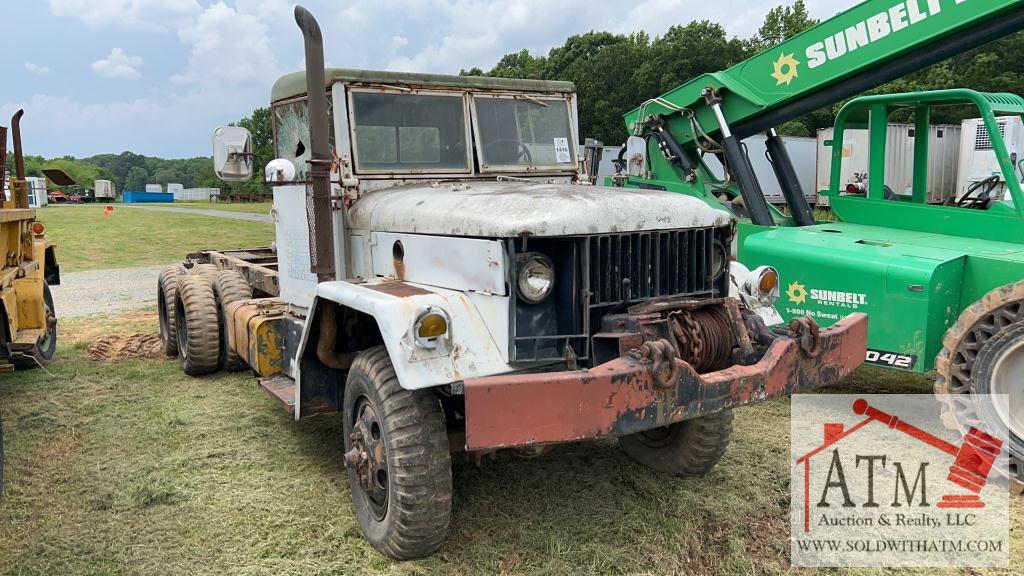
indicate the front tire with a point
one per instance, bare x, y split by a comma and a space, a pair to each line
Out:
397, 457
688, 448
46, 346
982, 354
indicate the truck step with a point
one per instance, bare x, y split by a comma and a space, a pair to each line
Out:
282, 389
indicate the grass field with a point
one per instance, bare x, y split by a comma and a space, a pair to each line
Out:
250, 207
133, 468
87, 239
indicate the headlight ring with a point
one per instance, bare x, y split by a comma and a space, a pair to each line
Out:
536, 277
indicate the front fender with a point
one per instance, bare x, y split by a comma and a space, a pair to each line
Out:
470, 351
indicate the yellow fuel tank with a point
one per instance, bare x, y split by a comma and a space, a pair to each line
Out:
256, 333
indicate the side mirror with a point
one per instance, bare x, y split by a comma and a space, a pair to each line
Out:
232, 154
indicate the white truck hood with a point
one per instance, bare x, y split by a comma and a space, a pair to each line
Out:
510, 209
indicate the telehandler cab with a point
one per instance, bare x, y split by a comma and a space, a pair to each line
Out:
942, 284
446, 281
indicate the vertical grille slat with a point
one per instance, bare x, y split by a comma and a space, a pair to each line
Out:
659, 264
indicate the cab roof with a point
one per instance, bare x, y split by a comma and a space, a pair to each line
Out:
294, 84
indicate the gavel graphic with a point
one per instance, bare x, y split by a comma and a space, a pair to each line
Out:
973, 459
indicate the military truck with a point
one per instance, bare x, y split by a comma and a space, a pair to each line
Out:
445, 279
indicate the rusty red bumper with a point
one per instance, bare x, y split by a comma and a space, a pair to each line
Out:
627, 395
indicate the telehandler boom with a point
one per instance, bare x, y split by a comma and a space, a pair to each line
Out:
942, 284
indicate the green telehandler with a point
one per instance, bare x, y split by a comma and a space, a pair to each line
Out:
943, 284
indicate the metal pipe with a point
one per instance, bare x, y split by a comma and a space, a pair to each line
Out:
19, 159
3, 159
318, 204
786, 175
739, 166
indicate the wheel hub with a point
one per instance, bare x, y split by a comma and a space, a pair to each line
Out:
51, 323
1008, 379
368, 456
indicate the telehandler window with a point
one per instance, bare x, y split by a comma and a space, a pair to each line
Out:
409, 132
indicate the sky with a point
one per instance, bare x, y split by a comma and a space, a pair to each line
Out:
157, 76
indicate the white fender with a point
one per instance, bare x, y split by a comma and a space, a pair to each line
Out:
469, 349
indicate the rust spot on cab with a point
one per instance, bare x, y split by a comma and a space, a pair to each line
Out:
397, 288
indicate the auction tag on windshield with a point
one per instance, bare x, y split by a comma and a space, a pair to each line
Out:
562, 154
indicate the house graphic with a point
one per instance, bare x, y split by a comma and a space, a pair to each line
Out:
973, 459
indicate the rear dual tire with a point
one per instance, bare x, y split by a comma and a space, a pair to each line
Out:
194, 321
196, 326
166, 300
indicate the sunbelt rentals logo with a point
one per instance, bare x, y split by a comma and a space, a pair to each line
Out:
897, 19
799, 294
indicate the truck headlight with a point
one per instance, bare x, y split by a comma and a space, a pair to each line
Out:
536, 277
719, 260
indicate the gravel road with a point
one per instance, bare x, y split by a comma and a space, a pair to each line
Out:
265, 218
105, 291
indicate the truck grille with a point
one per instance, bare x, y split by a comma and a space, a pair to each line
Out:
658, 264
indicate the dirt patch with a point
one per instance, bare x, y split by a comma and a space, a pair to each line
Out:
118, 347
84, 331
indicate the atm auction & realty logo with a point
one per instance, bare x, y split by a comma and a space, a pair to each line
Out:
877, 480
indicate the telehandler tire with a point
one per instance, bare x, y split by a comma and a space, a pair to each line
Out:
229, 286
166, 296
403, 502
196, 326
980, 356
688, 448
46, 346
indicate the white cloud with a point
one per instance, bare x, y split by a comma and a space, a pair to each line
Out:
151, 15
118, 65
227, 54
36, 68
227, 48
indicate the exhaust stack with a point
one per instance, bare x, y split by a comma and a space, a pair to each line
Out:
3, 159
19, 188
318, 198
19, 158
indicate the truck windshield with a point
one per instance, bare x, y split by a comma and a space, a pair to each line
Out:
409, 132
524, 132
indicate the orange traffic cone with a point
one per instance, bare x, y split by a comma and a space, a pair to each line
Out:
107, 210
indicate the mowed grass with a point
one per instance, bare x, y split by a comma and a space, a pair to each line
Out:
87, 239
249, 207
134, 468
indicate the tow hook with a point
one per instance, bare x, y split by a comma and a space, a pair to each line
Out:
662, 356
806, 332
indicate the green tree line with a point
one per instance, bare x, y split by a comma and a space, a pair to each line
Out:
131, 172
613, 74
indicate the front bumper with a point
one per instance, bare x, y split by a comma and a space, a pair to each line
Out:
632, 394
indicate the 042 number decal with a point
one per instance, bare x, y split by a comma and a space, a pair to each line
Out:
890, 359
